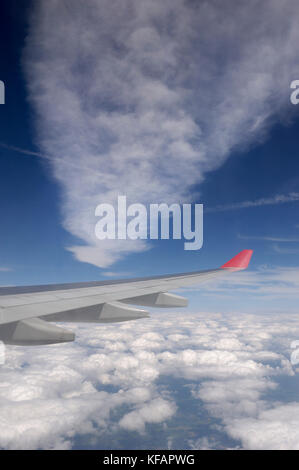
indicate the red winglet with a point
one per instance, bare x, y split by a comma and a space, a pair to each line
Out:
240, 261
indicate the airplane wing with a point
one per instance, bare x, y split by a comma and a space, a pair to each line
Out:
27, 313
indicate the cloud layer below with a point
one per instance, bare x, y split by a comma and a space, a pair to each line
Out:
125, 378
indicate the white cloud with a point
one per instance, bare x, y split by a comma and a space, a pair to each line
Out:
153, 412
204, 443
269, 283
108, 380
143, 98
285, 251
269, 238
274, 429
265, 201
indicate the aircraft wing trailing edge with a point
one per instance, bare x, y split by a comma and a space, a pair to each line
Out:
27, 313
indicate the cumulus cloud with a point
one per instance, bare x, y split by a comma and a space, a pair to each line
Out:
127, 378
274, 429
143, 98
155, 412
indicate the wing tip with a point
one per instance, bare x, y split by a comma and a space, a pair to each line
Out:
240, 261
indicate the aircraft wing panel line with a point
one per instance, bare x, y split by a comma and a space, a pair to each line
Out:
19, 300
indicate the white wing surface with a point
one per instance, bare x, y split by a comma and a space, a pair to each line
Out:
27, 313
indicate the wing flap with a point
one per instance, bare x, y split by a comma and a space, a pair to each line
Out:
105, 313
160, 300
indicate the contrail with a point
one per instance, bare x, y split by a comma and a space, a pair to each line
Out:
48, 157
278, 199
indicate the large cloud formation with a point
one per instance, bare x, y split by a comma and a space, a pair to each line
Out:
123, 380
142, 98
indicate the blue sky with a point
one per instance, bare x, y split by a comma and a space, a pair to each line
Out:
33, 239
164, 102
